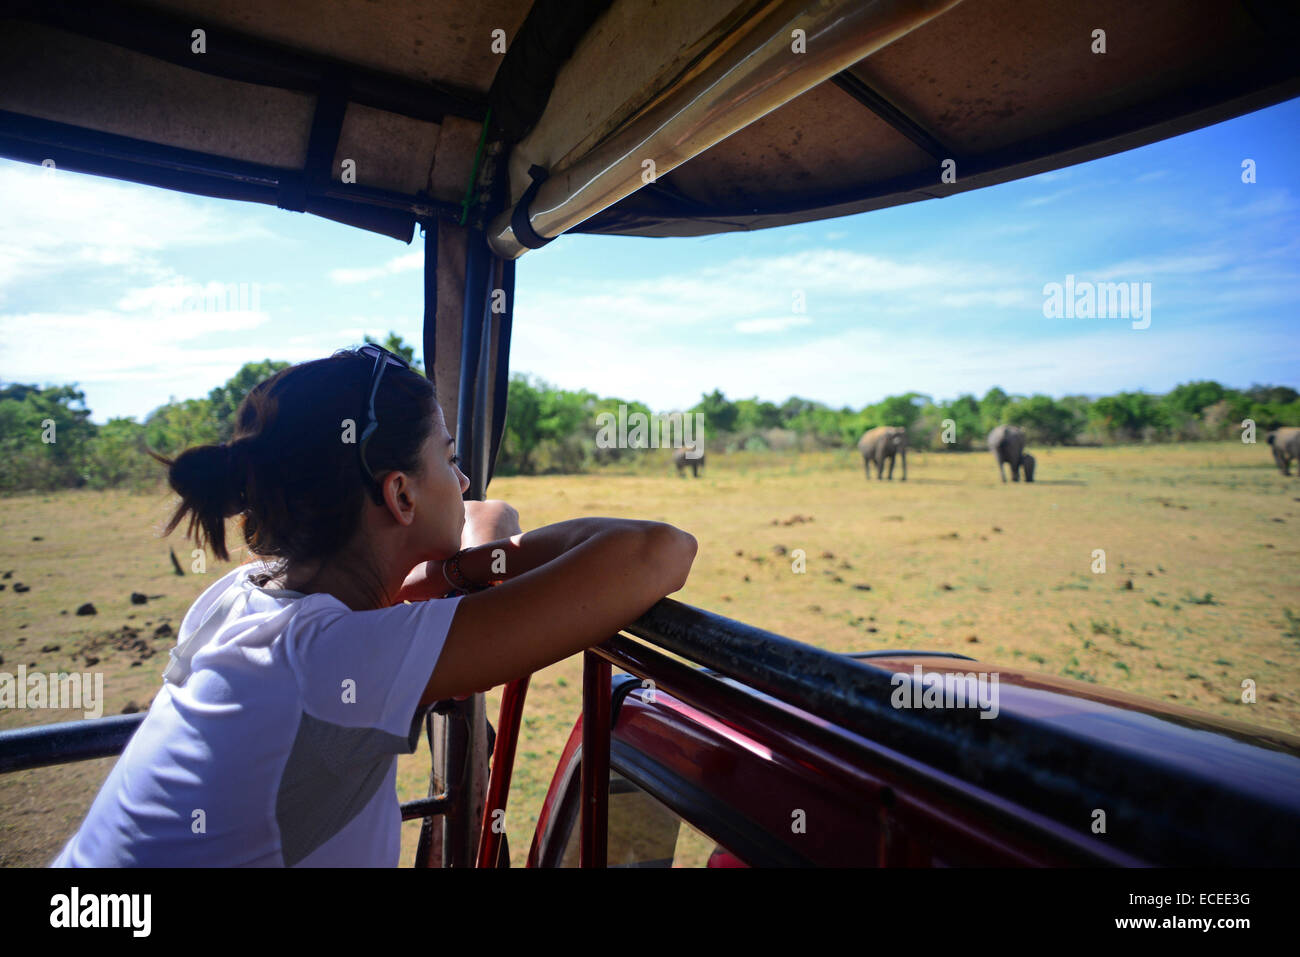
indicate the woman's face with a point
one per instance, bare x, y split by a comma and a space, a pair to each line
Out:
440, 515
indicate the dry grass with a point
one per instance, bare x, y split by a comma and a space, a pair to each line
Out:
954, 560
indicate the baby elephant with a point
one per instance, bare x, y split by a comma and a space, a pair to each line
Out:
1007, 443
691, 456
1286, 446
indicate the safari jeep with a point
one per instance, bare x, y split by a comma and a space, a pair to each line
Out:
499, 125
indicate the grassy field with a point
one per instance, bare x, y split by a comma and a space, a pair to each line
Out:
1200, 591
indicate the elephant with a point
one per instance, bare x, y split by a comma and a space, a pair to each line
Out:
1286, 446
883, 443
1007, 443
687, 456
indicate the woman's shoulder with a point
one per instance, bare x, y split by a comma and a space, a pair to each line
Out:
232, 616
202, 606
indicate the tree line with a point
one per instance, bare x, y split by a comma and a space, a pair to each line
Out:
47, 440
550, 429
555, 430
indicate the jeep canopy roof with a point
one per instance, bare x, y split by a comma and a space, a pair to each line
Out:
749, 124
505, 123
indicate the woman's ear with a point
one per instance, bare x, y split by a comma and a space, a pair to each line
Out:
398, 499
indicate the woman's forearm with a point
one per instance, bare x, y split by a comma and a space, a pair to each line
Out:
505, 558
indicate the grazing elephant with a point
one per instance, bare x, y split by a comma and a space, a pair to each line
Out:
1286, 446
884, 443
694, 460
1007, 443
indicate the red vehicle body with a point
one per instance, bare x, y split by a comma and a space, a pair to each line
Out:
756, 780
1135, 782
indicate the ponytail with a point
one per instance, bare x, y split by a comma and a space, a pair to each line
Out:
211, 481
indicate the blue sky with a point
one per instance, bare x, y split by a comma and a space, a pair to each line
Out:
941, 297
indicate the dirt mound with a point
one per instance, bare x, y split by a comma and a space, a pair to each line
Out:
128, 638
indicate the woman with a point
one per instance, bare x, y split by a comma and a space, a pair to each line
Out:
295, 683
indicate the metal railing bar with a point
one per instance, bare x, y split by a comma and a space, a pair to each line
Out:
66, 742
1053, 770
595, 759
425, 807
828, 748
503, 762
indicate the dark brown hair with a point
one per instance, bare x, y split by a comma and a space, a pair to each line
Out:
292, 470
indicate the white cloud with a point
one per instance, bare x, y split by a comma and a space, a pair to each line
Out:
177, 296
863, 364
1185, 263
63, 222
403, 263
835, 270
105, 326
1008, 229
777, 324
1052, 175
115, 346
744, 293
354, 333
1002, 298
1049, 197
1274, 202
883, 326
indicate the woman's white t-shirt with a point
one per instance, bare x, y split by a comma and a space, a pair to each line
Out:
274, 738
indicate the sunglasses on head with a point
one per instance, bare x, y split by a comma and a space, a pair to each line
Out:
383, 359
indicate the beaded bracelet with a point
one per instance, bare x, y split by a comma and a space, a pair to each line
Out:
453, 565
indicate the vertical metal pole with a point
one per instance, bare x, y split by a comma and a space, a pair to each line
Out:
462, 744
465, 729
503, 322
478, 262
595, 759
429, 850
430, 297
458, 739
503, 763
483, 391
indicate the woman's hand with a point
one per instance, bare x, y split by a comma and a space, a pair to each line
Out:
487, 521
